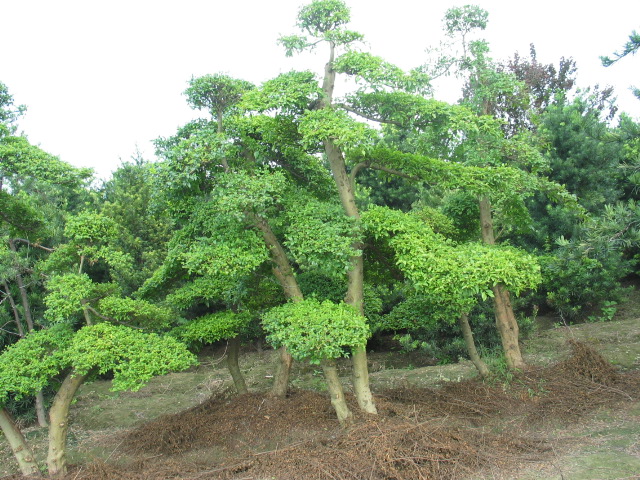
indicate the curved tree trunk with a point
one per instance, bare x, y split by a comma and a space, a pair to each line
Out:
59, 424
19, 447
345, 417
345, 188
14, 309
355, 296
234, 367
508, 327
505, 318
284, 274
467, 334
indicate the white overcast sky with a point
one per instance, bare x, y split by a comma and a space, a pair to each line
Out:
101, 78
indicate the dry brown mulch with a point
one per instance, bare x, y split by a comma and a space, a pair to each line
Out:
450, 432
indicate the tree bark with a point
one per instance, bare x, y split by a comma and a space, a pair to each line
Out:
467, 334
507, 327
345, 417
59, 424
19, 447
355, 287
14, 309
505, 318
234, 367
284, 274
23, 292
283, 372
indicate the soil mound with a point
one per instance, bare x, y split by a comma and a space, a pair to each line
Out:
451, 432
252, 420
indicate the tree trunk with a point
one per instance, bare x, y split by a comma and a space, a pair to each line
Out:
284, 274
508, 327
234, 368
22, 452
41, 412
356, 274
467, 334
355, 296
283, 371
23, 292
505, 318
345, 417
59, 424
14, 309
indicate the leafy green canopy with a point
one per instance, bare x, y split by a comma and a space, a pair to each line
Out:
451, 272
323, 20
133, 357
29, 365
22, 160
217, 93
319, 236
315, 331
373, 73
214, 327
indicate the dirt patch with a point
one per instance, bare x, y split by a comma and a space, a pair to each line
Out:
237, 424
456, 431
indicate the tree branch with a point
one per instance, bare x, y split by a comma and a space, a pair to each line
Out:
35, 245
368, 117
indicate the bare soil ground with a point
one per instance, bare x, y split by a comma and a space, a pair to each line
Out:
574, 414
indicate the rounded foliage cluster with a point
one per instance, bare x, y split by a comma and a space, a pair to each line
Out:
315, 330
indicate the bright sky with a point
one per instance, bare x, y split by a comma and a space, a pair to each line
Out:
102, 78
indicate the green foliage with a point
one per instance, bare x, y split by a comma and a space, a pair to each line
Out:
581, 152
29, 365
214, 327
217, 93
136, 313
257, 192
498, 182
323, 20
419, 312
322, 16
462, 208
629, 48
207, 290
315, 330
345, 132
462, 20
607, 312
319, 236
321, 287
9, 112
290, 93
69, 293
293, 44
578, 277
440, 268
22, 161
376, 74
133, 357
143, 230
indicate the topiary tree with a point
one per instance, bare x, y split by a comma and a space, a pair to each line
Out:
319, 332
131, 356
451, 274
